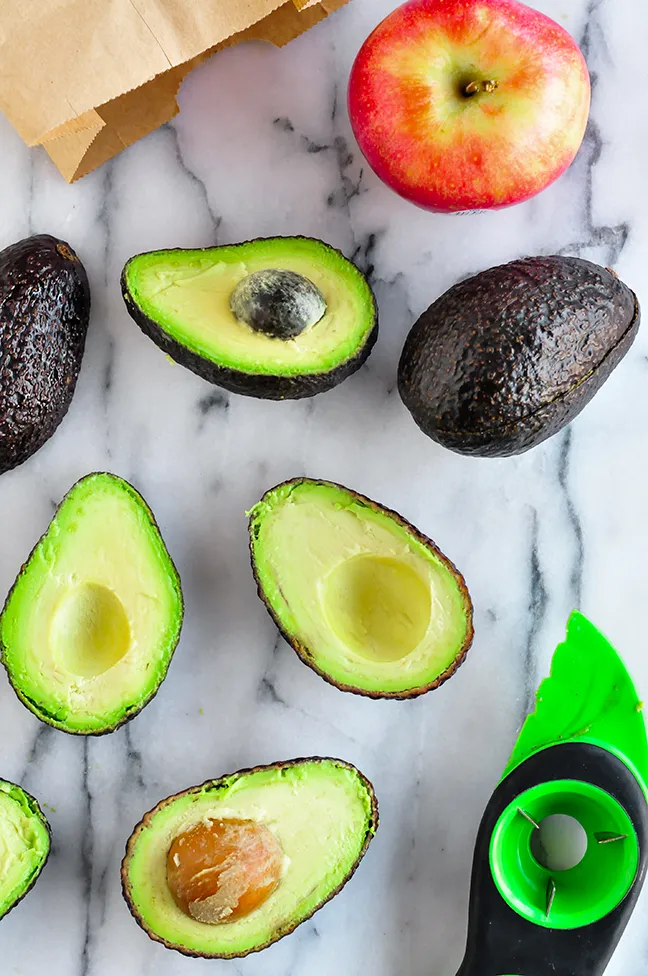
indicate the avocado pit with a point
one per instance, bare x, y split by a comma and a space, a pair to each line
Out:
221, 870
281, 304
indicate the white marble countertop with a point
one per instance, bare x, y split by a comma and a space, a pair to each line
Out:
262, 146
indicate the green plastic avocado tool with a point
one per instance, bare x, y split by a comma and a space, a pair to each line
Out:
588, 697
581, 760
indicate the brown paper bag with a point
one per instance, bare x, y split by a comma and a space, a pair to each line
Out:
86, 78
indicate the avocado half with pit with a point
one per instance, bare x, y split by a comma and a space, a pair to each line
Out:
278, 318
362, 596
309, 820
507, 358
24, 844
91, 624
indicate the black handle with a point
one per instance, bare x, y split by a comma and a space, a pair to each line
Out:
501, 942
472, 967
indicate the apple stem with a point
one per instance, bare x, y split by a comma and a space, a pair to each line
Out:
473, 87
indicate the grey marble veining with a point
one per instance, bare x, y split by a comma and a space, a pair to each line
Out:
263, 146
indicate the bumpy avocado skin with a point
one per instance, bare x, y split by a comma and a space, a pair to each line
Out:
144, 824
507, 358
38, 813
39, 709
303, 651
44, 314
262, 386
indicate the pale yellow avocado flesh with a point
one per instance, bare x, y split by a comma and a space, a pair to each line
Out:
94, 617
24, 844
187, 294
370, 604
323, 814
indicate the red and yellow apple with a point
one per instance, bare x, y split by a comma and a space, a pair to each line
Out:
469, 104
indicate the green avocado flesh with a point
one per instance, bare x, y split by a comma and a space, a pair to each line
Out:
363, 598
93, 619
24, 844
186, 293
323, 812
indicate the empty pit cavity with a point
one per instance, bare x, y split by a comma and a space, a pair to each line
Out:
560, 843
379, 607
90, 632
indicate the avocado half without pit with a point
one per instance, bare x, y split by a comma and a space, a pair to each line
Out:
277, 318
24, 844
362, 596
90, 626
229, 867
507, 358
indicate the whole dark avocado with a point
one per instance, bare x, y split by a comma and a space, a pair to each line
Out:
507, 358
44, 313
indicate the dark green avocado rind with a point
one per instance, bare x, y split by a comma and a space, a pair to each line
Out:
215, 785
37, 708
304, 652
505, 359
262, 386
34, 809
44, 314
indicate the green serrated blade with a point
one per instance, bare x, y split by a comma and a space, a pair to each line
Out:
588, 697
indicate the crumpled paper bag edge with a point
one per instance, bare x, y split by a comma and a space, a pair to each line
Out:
76, 146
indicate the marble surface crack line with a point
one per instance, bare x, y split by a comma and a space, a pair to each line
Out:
87, 852
134, 761
266, 690
39, 747
576, 575
349, 180
105, 222
267, 693
538, 602
610, 238
211, 404
195, 180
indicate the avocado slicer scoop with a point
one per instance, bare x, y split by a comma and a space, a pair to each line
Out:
581, 756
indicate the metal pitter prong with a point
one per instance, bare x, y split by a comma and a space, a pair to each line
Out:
551, 894
527, 816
